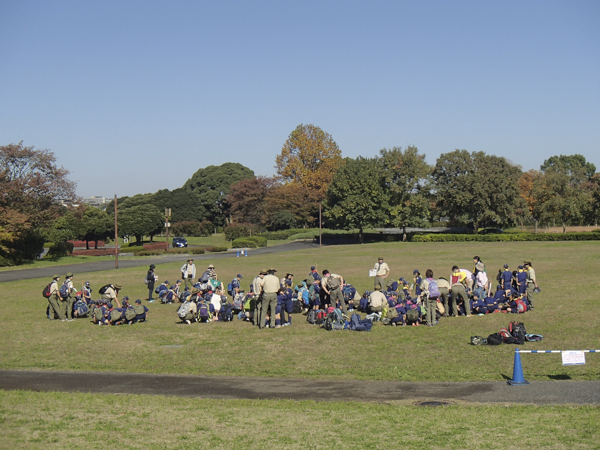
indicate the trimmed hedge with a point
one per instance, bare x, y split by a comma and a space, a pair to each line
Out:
282, 235
216, 249
250, 242
505, 237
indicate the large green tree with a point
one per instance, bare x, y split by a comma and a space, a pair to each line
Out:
356, 197
476, 190
406, 177
212, 184
96, 225
565, 190
140, 221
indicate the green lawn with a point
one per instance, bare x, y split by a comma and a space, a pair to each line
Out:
58, 420
567, 318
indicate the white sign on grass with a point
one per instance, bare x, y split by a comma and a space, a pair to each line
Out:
573, 357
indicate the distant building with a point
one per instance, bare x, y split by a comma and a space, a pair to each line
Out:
96, 201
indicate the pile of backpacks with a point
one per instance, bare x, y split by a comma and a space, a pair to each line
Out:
513, 334
333, 319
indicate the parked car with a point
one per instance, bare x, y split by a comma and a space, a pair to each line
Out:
180, 242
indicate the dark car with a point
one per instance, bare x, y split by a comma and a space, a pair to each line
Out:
179, 242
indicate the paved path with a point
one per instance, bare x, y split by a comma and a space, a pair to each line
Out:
538, 392
47, 272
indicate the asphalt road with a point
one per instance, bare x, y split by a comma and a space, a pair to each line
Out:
538, 392
47, 272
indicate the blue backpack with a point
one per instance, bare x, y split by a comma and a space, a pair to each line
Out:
364, 303
356, 324
63, 291
82, 308
225, 315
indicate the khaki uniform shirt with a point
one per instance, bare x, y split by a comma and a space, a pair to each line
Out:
270, 284
377, 298
382, 269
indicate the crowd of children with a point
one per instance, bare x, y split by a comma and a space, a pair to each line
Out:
423, 300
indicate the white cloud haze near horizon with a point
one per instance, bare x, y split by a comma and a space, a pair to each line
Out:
135, 96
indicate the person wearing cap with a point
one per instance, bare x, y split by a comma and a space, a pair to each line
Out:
257, 291
54, 308
70, 300
507, 277
382, 270
314, 275
212, 273
481, 280
86, 292
521, 280
417, 280
150, 279
235, 285
458, 280
141, 312
112, 294
188, 273
531, 281
288, 276
269, 286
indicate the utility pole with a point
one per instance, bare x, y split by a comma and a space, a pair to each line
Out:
320, 205
167, 224
116, 237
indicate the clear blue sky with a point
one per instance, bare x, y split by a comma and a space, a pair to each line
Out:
135, 96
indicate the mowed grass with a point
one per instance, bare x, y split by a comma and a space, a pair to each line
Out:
59, 420
566, 314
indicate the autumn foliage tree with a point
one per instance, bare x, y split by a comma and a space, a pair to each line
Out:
32, 187
247, 200
309, 158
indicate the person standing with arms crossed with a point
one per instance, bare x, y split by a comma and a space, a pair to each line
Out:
531, 281
382, 271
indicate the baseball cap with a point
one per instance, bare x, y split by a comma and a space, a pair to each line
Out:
239, 275
312, 267
138, 301
506, 266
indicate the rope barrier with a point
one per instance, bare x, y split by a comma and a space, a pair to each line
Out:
556, 351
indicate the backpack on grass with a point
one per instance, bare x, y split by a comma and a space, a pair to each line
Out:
495, 339
82, 308
478, 340
517, 330
311, 317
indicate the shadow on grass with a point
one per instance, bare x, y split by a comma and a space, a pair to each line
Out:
559, 377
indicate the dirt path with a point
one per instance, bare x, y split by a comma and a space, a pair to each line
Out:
538, 392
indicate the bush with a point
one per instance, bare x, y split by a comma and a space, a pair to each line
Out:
505, 237
282, 235
60, 249
5, 262
196, 251
239, 230
216, 249
192, 228
250, 242
282, 220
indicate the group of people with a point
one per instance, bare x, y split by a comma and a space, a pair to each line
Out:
270, 302
65, 303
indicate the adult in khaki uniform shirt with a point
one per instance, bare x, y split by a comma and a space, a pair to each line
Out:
68, 303
531, 281
382, 271
54, 300
444, 288
377, 300
270, 286
111, 294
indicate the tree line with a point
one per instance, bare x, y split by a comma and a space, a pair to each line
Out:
394, 188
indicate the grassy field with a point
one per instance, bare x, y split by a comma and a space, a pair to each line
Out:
566, 315
58, 420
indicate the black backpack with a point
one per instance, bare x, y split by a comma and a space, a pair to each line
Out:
517, 329
46, 292
311, 317
103, 289
494, 339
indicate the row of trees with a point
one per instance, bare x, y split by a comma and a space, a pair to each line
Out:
395, 188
